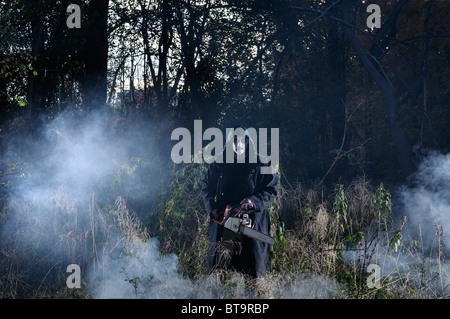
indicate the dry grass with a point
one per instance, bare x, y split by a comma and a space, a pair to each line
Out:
40, 239
317, 258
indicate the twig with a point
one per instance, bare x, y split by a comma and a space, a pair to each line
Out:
340, 152
47, 275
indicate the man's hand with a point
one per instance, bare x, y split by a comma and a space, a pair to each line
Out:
214, 214
247, 204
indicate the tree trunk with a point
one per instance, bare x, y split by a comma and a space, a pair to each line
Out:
95, 55
336, 85
399, 137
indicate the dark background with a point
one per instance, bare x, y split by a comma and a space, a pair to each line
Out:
358, 101
86, 116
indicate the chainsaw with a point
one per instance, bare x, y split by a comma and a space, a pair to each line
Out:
237, 219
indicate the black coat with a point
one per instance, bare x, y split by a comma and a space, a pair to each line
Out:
228, 184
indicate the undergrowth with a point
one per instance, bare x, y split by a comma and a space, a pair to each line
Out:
330, 243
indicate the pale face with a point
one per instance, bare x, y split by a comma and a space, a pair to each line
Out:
239, 145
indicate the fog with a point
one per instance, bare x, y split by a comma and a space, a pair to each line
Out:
89, 180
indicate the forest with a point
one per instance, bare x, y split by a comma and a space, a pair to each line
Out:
91, 91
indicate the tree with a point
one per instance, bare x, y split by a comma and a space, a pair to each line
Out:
95, 54
376, 72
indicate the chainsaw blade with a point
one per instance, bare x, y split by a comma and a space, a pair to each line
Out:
235, 224
249, 232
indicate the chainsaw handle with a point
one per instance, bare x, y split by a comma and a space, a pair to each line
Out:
229, 213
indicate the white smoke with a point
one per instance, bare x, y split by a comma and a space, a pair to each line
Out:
58, 215
420, 262
138, 270
426, 202
143, 272
312, 287
61, 210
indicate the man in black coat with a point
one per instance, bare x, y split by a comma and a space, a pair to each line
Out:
239, 184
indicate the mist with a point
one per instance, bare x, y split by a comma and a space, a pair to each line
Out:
66, 201
89, 181
80, 199
425, 199
422, 206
